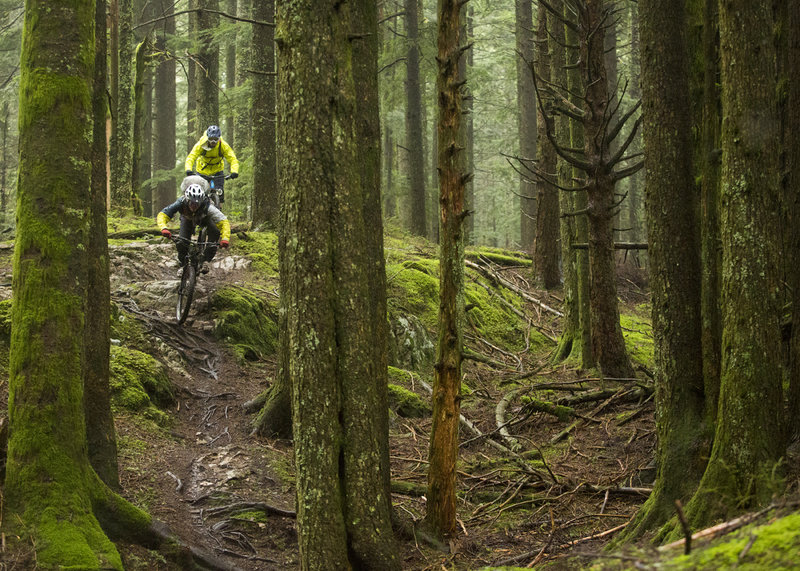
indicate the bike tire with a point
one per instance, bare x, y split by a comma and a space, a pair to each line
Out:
186, 292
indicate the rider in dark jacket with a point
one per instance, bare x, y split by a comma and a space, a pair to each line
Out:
196, 209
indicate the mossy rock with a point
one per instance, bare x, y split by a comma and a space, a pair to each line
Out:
406, 403
261, 248
413, 289
245, 321
139, 383
126, 329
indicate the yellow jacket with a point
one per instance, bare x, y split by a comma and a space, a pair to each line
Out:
210, 160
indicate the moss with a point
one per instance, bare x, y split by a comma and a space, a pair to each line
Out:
137, 382
406, 403
774, 546
127, 330
262, 249
638, 334
245, 321
128, 223
499, 256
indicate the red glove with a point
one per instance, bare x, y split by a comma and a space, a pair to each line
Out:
166, 233
223, 244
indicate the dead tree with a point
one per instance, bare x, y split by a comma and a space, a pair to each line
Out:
604, 160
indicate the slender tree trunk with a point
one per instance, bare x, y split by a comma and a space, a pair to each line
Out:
683, 438
526, 122
100, 434
748, 441
545, 247
441, 506
139, 144
414, 146
4, 163
711, 247
636, 182
193, 130
265, 188
165, 154
207, 68
230, 76
122, 132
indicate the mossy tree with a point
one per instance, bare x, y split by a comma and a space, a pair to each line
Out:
526, 116
443, 448
339, 410
417, 204
122, 193
793, 191
683, 437
749, 436
53, 498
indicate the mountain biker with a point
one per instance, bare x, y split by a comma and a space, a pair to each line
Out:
195, 209
209, 154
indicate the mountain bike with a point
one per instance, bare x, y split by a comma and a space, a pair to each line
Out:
217, 182
194, 260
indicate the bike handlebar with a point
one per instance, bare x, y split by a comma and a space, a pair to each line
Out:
177, 239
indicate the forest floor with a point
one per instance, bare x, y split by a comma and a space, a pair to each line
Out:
223, 489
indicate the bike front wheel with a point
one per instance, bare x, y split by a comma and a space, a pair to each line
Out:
186, 291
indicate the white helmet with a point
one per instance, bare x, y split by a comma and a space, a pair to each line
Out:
194, 194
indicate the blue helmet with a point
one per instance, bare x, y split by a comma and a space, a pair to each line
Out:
213, 132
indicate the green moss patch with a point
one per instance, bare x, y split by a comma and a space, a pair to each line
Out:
638, 334
140, 384
262, 250
245, 321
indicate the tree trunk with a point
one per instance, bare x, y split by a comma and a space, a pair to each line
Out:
443, 454
100, 434
526, 122
793, 206
545, 247
141, 114
122, 128
417, 203
683, 438
192, 128
607, 342
338, 417
265, 187
230, 76
711, 248
165, 112
244, 63
567, 228
748, 441
207, 67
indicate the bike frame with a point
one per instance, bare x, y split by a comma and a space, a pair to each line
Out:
194, 259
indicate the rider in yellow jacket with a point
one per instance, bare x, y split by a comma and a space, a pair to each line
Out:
207, 158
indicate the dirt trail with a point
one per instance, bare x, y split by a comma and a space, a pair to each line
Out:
208, 479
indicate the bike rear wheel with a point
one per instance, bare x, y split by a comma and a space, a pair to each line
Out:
186, 291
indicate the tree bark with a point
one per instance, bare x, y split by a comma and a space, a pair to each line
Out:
443, 449
122, 128
793, 191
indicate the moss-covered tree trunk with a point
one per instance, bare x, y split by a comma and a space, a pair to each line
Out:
339, 421
683, 438
100, 431
265, 189
607, 342
49, 482
207, 67
526, 116
749, 437
443, 449
546, 259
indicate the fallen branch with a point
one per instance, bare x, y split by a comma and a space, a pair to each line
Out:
498, 279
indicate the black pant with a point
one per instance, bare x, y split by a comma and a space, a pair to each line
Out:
187, 229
